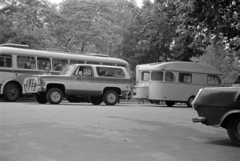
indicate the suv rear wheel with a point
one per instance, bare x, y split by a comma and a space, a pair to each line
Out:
110, 97
234, 130
54, 95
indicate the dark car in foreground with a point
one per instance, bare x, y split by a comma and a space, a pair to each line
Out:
220, 107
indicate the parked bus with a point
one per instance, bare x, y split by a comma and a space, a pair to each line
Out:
174, 82
18, 62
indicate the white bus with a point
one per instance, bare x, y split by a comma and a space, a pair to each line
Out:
174, 81
18, 62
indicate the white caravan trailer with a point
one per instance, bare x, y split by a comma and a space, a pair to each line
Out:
174, 81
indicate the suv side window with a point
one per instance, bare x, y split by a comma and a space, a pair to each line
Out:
110, 72
84, 71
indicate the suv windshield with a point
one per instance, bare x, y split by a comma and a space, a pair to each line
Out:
68, 70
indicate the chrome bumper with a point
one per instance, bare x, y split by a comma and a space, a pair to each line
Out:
199, 119
30, 85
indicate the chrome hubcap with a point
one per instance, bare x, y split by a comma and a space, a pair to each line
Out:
55, 96
12, 92
111, 97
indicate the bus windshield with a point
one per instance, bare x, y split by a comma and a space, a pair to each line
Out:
68, 70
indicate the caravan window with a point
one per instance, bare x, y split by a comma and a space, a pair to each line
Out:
145, 75
157, 75
185, 77
169, 77
213, 79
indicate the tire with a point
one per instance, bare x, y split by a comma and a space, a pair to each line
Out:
169, 103
41, 98
96, 100
73, 99
151, 101
110, 97
11, 92
233, 130
54, 95
190, 101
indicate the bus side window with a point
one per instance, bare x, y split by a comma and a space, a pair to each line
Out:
25, 62
169, 77
43, 63
185, 77
77, 62
5, 60
59, 64
213, 79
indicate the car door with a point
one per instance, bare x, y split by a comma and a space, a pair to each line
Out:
82, 81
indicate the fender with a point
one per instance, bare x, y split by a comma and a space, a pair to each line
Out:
9, 80
226, 115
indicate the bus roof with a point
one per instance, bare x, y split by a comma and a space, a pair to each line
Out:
58, 55
180, 66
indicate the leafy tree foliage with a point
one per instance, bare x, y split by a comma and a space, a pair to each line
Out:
216, 18
23, 22
222, 59
163, 30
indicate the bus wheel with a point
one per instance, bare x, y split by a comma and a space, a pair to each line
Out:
189, 102
233, 130
96, 100
54, 95
41, 98
11, 92
110, 97
169, 103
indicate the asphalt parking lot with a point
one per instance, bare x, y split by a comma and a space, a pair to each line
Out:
125, 132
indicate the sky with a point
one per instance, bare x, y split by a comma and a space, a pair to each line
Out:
139, 2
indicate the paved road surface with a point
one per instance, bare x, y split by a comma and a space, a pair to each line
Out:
125, 132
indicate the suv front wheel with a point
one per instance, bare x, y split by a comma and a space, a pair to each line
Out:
41, 98
96, 100
54, 95
110, 97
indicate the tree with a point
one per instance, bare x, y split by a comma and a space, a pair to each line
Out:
82, 25
219, 19
23, 22
222, 59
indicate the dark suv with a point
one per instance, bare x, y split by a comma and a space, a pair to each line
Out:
220, 107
